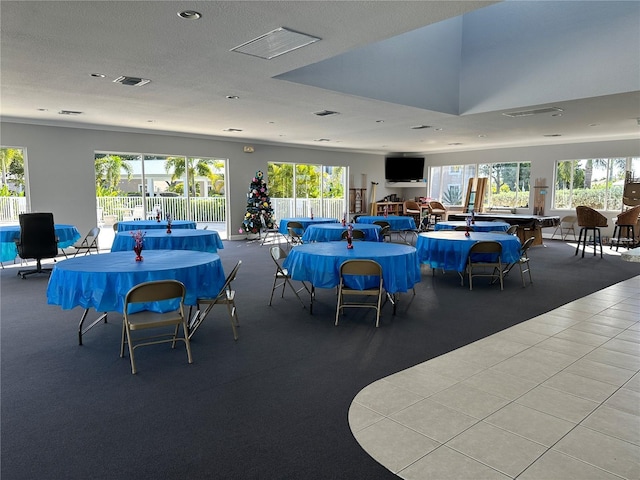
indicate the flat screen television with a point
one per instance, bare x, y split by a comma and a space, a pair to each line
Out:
404, 169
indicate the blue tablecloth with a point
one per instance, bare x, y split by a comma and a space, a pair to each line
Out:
102, 281
67, 236
154, 224
396, 222
305, 221
477, 227
449, 250
319, 263
332, 232
180, 239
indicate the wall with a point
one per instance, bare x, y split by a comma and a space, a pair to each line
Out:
60, 173
61, 179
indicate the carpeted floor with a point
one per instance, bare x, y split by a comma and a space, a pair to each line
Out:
273, 404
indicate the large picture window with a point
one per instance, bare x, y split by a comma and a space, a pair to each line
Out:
12, 184
297, 189
595, 182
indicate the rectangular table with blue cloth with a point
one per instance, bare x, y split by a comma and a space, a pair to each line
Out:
448, 249
67, 236
102, 281
332, 232
478, 226
154, 224
305, 221
396, 222
181, 239
319, 263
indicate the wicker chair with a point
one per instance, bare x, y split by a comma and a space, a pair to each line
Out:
628, 221
589, 220
437, 211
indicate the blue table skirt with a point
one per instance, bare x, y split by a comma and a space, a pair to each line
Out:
449, 250
154, 224
67, 236
481, 226
332, 232
396, 222
102, 281
319, 263
180, 239
305, 221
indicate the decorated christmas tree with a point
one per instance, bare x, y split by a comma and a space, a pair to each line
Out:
259, 212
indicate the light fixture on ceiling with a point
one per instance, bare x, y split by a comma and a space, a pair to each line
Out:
275, 43
420, 127
190, 15
131, 81
232, 130
69, 112
98, 75
322, 140
528, 113
232, 97
454, 144
43, 109
553, 135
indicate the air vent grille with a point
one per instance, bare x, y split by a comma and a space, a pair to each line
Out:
69, 112
131, 81
527, 113
420, 127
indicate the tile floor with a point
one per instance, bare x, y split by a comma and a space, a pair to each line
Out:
554, 398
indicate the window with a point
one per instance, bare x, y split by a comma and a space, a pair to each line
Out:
595, 182
449, 184
12, 184
509, 184
297, 189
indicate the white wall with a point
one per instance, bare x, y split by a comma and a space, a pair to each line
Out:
60, 171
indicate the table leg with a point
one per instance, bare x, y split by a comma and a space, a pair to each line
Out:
83, 318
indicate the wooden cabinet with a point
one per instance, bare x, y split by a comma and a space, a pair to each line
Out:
393, 208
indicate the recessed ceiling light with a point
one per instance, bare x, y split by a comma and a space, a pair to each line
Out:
69, 112
379, 121
438, 129
131, 81
594, 124
322, 140
233, 97
190, 15
482, 135
553, 135
420, 127
325, 113
455, 143
232, 130
98, 75
43, 109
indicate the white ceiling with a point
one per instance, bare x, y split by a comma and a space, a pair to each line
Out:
49, 50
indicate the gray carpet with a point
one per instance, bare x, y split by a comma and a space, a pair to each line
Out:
274, 404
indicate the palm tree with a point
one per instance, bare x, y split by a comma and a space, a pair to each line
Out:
12, 165
194, 167
109, 171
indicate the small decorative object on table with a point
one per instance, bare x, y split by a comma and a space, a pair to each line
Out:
350, 237
138, 238
466, 231
168, 223
344, 220
158, 214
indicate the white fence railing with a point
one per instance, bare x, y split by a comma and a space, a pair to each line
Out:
209, 209
11, 207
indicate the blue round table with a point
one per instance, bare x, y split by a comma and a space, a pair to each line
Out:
180, 239
305, 221
102, 281
154, 224
67, 236
479, 226
396, 222
332, 232
448, 250
319, 263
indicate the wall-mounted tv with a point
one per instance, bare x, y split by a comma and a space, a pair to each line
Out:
403, 169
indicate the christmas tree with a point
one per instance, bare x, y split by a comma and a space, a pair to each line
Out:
259, 212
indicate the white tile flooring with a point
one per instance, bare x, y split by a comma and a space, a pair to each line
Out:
554, 398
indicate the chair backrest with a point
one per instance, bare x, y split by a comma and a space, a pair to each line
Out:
631, 194
568, 221
155, 291
91, 239
37, 236
435, 205
512, 230
230, 278
361, 267
295, 229
588, 217
115, 227
480, 250
630, 217
355, 235
138, 212
525, 246
411, 205
277, 254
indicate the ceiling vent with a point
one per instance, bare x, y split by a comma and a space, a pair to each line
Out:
420, 127
275, 43
325, 113
322, 140
69, 112
131, 81
528, 113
